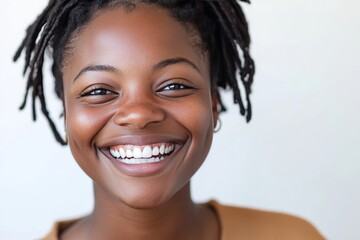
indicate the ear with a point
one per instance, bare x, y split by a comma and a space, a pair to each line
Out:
64, 106
64, 116
215, 108
64, 113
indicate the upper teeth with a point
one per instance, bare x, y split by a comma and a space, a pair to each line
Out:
137, 152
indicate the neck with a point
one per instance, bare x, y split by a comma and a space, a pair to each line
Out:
113, 219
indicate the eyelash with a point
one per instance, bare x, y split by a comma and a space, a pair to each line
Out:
174, 87
96, 91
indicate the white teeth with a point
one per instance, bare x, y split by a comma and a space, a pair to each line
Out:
162, 149
122, 153
129, 153
134, 161
115, 153
146, 153
155, 151
137, 153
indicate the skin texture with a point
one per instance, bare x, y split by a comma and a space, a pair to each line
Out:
137, 78
136, 105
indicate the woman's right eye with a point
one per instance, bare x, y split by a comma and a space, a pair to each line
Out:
96, 92
97, 95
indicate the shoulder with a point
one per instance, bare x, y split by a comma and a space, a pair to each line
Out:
256, 224
59, 227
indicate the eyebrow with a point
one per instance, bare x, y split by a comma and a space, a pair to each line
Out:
160, 65
97, 68
172, 61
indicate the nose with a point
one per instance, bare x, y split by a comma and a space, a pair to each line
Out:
139, 114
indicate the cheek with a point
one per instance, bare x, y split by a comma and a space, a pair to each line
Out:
82, 125
197, 118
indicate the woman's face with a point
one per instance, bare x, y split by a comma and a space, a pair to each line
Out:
138, 105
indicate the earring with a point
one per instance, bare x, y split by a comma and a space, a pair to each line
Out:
66, 138
218, 125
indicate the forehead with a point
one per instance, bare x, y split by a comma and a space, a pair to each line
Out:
147, 34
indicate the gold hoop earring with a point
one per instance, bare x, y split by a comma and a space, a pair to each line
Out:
218, 125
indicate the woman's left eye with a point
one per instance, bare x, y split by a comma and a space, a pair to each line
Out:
175, 86
176, 90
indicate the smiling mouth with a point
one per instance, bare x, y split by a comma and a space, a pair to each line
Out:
132, 154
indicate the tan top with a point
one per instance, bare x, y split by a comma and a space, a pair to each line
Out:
241, 223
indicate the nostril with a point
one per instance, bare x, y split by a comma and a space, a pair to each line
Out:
139, 116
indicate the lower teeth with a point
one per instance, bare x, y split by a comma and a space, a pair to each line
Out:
141, 160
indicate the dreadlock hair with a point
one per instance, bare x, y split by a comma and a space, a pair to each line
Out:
220, 24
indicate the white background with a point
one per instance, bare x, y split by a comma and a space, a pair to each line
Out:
300, 154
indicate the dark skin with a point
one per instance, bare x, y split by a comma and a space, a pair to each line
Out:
143, 96
134, 79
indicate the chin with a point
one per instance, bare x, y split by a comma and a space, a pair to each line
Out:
139, 199
142, 193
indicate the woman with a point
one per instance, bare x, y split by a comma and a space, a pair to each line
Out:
139, 83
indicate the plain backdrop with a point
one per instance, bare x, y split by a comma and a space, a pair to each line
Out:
300, 154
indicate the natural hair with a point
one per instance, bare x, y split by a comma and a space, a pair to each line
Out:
220, 24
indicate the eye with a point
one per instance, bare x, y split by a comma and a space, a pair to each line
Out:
96, 91
175, 86
176, 89
98, 95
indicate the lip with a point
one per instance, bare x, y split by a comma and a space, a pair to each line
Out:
145, 169
139, 140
